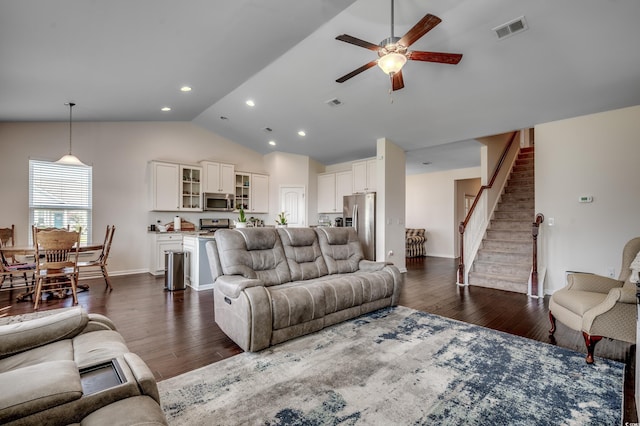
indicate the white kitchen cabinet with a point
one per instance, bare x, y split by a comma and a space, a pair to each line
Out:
259, 193
252, 192
175, 187
191, 188
327, 193
161, 242
364, 176
165, 186
331, 188
218, 177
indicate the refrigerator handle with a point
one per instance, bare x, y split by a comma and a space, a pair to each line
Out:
355, 217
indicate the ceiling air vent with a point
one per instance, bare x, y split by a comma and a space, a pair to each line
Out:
510, 28
334, 102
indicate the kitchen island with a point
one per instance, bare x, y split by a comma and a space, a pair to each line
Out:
197, 273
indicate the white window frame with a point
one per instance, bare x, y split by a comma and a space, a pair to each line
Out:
61, 196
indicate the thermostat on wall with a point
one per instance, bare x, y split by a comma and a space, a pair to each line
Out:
586, 199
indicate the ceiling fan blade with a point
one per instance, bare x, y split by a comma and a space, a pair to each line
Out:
425, 25
356, 71
397, 82
353, 40
444, 58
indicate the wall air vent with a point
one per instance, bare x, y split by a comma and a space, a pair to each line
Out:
334, 102
512, 27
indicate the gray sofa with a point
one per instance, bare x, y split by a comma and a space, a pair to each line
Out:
42, 357
272, 285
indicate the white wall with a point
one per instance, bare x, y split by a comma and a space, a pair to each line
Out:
597, 155
119, 153
431, 204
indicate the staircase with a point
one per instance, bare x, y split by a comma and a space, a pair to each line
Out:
505, 257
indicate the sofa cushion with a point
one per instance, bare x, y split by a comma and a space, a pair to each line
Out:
341, 249
56, 351
296, 303
303, 253
255, 253
39, 387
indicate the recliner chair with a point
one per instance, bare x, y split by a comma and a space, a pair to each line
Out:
599, 306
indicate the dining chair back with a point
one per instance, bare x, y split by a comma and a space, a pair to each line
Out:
10, 266
56, 257
92, 268
7, 236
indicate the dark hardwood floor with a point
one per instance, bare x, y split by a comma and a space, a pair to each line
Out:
175, 332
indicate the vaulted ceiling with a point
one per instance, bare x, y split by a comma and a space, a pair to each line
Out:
123, 60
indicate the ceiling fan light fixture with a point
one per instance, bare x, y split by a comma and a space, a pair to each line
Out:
392, 62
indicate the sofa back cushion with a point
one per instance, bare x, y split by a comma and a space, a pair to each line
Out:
340, 248
253, 253
303, 253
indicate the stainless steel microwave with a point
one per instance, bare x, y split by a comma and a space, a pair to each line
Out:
218, 202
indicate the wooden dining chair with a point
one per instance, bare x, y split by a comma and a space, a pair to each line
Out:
92, 268
9, 266
56, 256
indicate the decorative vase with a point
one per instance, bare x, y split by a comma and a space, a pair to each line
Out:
281, 225
241, 224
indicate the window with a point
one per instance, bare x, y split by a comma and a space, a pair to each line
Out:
60, 196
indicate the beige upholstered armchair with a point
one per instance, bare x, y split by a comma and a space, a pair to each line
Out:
599, 306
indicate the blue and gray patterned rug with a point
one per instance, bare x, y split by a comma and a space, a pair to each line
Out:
402, 367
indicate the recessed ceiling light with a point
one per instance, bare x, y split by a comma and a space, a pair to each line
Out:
301, 133
250, 103
272, 143
185, 89
165, 109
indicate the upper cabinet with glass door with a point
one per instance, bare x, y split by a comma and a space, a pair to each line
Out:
191, 188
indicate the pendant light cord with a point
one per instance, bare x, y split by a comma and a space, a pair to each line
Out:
71, 105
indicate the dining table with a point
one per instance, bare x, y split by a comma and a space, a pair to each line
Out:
29, 252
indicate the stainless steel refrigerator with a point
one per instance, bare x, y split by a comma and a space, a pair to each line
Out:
359, 211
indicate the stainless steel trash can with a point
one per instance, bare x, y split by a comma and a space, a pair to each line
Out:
173, 270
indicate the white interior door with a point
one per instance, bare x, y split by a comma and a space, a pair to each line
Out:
292, 202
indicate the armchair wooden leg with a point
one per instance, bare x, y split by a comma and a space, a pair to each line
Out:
590, 341
553, 324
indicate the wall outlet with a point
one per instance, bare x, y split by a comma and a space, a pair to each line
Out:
611, 272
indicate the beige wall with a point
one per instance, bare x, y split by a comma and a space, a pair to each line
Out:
596, 155
119, 153
390, 205
431, 204
288, 170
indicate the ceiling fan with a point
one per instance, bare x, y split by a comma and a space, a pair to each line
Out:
393, 52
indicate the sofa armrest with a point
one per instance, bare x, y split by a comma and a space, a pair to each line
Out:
144, 376
233, 285
591, 282
371, 266
22, 336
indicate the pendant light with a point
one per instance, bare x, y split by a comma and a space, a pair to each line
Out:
70, 159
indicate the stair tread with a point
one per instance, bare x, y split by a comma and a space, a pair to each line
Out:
500, 277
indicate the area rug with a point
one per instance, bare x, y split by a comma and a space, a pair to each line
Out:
398, 366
